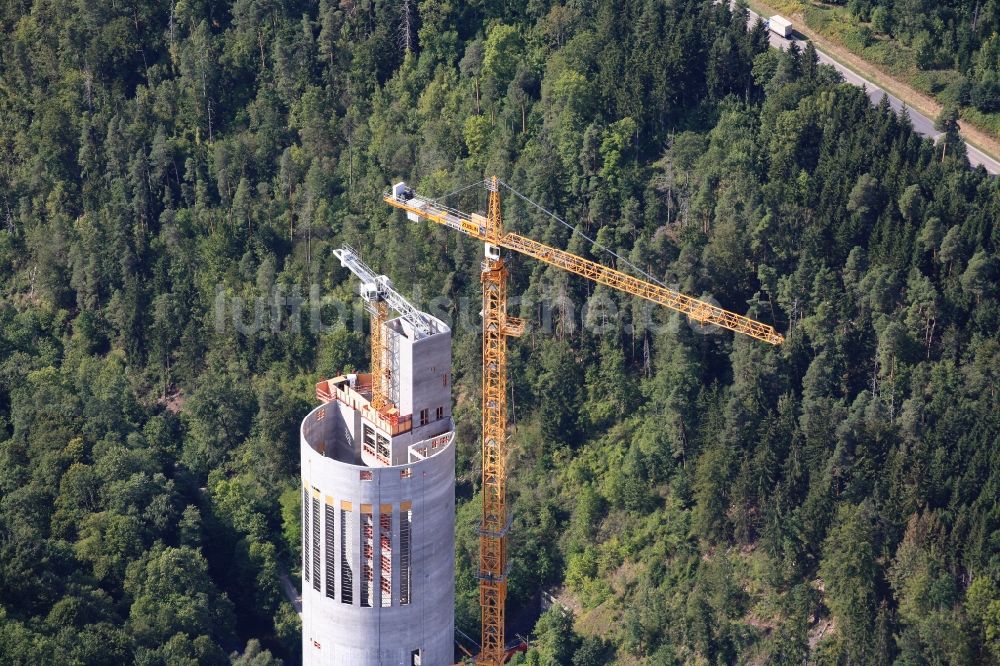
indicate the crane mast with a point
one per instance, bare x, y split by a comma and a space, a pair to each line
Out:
497, 326
495, 520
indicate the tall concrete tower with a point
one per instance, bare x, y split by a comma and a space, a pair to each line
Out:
378, 509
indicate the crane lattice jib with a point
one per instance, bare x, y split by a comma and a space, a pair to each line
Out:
698, 310
351, 260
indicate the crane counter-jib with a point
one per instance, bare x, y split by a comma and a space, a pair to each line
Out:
418, 207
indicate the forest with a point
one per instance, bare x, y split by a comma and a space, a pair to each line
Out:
689, 496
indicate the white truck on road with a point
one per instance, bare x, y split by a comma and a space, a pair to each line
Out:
779, 25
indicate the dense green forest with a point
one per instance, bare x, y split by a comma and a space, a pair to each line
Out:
690, 498
960, 34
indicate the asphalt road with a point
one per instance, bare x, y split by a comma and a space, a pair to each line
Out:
291, 593
922, 124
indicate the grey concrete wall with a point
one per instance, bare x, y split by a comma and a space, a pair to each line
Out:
334, 633
424, 360
424, 381
334, 435
430, 363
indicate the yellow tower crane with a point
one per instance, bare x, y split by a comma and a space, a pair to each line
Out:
497, 326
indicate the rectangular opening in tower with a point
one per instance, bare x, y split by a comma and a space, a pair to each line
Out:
367, 560
315, 543
346, 572
330, 550
385, 557
369, 439
305, 533
405, 522
383, 450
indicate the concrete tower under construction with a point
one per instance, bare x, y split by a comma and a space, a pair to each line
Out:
378, 500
